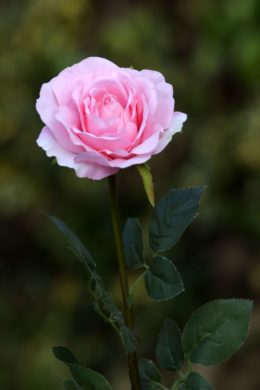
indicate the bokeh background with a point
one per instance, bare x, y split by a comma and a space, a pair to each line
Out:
209, 50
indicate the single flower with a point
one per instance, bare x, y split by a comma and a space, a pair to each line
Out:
100, 118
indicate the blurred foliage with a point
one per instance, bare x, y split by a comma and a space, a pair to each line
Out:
209, 50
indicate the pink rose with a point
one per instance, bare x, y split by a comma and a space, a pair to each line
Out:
100, 118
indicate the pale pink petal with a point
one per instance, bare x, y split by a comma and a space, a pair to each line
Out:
153, 75
100, 86
94, 171
47, 105
115, 163
66, 159
117, 153
94, 157
65, 135
148, 146
132, 160
68, 117
78, 98
64, 84
165, 107
144, 114
146, 88
177, 122
96, 66
52, 148
103, 142
165, 101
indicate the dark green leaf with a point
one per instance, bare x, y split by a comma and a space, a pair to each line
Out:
133, 243
128, 337
70, 384
216, 330
147, 178
86, 378
162, 279
195, 381
76, 245
169, 353
64, 355
102, 300
149, 375
104, 306
172, 215
89, 379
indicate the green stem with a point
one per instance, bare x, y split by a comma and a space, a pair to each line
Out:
128, 313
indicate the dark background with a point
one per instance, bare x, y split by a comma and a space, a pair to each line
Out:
210, 52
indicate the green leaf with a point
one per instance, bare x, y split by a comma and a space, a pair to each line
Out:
106, 308
64, 355
150, 377
76, 245
216, 330
86, 378
70, 384
195, 381
162, 280
145, 173
169, 353
89, 379
133, 243
102, 300
172, 215
128, 337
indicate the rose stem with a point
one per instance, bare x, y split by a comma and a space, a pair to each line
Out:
131, 356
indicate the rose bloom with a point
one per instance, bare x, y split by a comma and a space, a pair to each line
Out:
100, 118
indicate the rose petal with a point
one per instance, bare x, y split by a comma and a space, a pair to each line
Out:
177, 122
115, 163
47, 105
64, 158
94, 171
148, 146
132, 160
104, 142
52, 148
165, 106
153, 75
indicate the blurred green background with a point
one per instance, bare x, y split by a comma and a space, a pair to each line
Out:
210, 52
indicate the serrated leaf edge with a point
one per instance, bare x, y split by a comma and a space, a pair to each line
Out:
173, 296
248, 329
203, 188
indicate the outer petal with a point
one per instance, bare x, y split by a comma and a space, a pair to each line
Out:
164, 96
93, 171
64, 158
165, 106
47, 105
95, 65
153, 75
116, 164
48, 143
85, 71
148, 146
121, 163
178, 119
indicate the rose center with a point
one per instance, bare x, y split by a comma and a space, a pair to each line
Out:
110, 107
